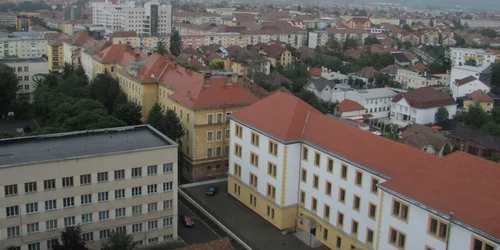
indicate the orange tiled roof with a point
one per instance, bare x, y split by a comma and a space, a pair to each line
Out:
348, 105
119, 53
315, 72
480, 96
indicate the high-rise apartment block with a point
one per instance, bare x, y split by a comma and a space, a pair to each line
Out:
122, 179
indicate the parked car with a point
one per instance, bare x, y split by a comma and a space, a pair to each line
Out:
212, 189
186, 220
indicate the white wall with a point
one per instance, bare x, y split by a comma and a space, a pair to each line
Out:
292, 174
463, 90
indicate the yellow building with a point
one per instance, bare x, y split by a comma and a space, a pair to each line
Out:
479, 97
202, 102
55, 54
71, 26
125, 37
115, 57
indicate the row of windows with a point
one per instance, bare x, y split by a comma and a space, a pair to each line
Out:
86, 199
218, 118
255, 140
218, 135
86, 179
218, 151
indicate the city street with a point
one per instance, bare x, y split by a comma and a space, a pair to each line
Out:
199, 233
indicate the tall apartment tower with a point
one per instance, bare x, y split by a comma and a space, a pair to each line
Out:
151, 20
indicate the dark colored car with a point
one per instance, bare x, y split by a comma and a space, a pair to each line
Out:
212, 189
186, 220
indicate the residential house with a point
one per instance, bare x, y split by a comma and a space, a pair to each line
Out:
317, 38
322, 88
391, 70
459, 57
420, 106
247, 63
196, 17
401, 59
71, 26
115, 57
478, 97
72, 48
427, 139
315, 72
462, 87
412, 38
475, 142
87, 56
335, 76
460, 72
55, 53
203, 103
365, 74
276, 79
125, 37
449, 41
429, 37
359, 22
274, 51
416, 76
350, 110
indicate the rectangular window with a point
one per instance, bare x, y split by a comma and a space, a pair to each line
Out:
325, 234
50, 205
32, 208
238, 132
67, 181
328, 188
273, 148
10, 190
314, 204
302, 197
167, 186
317, 159
218, 135
253, 180
209, 152
86, 199
329, 166
326, 212
342, 195
218, 151
340, 220
137, 210
480, 244
102, 177
152, 225
85, 179
343, 172
51, 225
369, 237
30, 187
237, 150
136, 228
397, 238
271, 191
120, 212
303, 175
152, 188
13, 231
168, 204
168, 222
103, 196
254, 159
237, 170
400, 210
136, 172
104, 234
119, 194
32, 228
357, 203
104, 215
12, 211
69, 221
121, 230
227, 134
168, 167
87, 218
359, 178
315, 181
372, 211
119, 174
210, 135
49, 184
136, 191
354, 227
271, 169
438, 228
255, 139
374, 186
87, 237
305, 152
152, 207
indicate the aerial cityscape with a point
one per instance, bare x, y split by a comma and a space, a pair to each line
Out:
249, 125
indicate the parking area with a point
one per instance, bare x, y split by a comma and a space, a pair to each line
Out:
244, 222
199, 233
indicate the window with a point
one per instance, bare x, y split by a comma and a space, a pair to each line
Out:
328, 188
167, 222
438, 228
12, 211
152, 188
273, 148
13, 231
340, 219
271, 191
354, 227
120, 212
237, 170
104, 215
359, 178
226, 134
51, 224
374, 187
136, 172
167, 186
399, 210
303, 176
67, 181
103, 196
49, 184
168, 167
168, 204
253, 180
136, 191
32, 228
305, 152
137, 228
152, 241
339, 242
317, 159
218, 135
152, 225
102, 177
326, 212
237, 150
168, 237
10, 190
85, 179
238, 131
357, 203
26, 69
137, 210
34, 246
369, 237
32, 208
329, 166
372, 211
88, 236
325, 234
210, 118
479, 244
119, 194
314, 204
271, 169
219, 117
342, 195
209, 152
302, 197
254, 159
30, 187
218, 151
152, 207
315, 181
396, 238
119, 174
255, 139
69, 221
122, 229
104, 234
86, 199
210, 136
343, 173
50, 205
86, 218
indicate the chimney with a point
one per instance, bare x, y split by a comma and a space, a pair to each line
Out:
234, 78
206, 80
188, 95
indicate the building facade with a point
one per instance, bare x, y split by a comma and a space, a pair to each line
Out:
151, 20
26, 71
23, 47
459, 56
97, 179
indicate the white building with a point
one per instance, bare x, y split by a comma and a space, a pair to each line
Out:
420, 106
109, 14
459, 56
377, 102
23, 47
151, 20
467, 85
460, 72
26, 71
346, 188
122, 179
317, 38
415, 78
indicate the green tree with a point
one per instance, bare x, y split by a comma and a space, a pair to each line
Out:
216, 64
495, 78
442, 118
350, 43
475, 117
83, 78
128, 112
471, 62
71, 239
447, 149
299, 8
371, 40
160, 47
175, 43
105, 89
460, 40
173, 125
119, 241
155, 116
312, 99
8, 87
489, 33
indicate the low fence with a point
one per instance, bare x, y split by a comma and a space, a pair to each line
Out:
233, 233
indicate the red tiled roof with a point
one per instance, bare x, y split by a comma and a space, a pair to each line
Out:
465, 80
460, 183
220, 244
83, 40
424, 98
119, 34
480, 96
119, 53
315, 72
359, 20
348, 105
418, 67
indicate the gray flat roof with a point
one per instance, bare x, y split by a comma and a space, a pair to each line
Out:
55, 147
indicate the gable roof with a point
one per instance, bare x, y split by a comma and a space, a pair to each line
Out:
321, 83
418, 67
347, 105
82, 40
485, 140
419, 140
424, 98
480, 96
400, 57
315, 72
391, 69
463, 81
460, 183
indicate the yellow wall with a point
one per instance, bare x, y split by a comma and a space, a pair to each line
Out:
134, 41
100, 67
50, 57
283, 218
67, 28
483, 105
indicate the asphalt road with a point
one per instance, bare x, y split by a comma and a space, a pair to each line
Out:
199, 233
